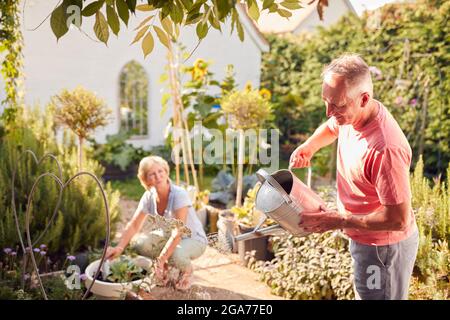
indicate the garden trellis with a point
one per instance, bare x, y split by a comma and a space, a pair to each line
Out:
62, 186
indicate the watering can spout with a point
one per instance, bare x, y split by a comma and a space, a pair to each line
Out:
257, 233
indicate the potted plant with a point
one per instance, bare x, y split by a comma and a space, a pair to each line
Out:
119, 276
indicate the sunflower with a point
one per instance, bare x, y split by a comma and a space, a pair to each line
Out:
248, 86
265, 94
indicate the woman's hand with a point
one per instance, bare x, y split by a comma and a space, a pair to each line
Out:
113, 252
161, 269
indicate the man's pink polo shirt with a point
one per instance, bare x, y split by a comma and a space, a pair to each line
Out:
373, 170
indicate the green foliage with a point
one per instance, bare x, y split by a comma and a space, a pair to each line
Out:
315, 267
80, 110
246, 109
406, 45
80, 221
116, 151
11, 53
125, 270
172, 15
432, 212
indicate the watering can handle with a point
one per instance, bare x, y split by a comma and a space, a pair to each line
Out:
264, 176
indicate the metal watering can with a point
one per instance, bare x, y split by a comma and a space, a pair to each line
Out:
282, 197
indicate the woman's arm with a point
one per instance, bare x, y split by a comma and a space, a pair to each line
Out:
132, 227
174, 240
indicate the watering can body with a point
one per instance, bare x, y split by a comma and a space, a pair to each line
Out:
283, 197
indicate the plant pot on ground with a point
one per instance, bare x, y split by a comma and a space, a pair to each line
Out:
125, 274
260, 245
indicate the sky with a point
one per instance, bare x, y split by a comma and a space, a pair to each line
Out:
361, 5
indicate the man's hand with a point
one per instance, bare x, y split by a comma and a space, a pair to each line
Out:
321, 221
301, 157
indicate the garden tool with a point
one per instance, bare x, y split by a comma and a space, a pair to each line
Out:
282, 197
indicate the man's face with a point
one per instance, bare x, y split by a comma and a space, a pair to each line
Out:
337, 100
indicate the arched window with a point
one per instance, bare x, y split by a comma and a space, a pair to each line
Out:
134, 99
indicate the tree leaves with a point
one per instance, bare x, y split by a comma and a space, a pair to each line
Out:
58, 21
92, 8
253, 10
162, 36
113, 19
122, 9
101, 27
173, 14
148, 44
140, 34
202, 30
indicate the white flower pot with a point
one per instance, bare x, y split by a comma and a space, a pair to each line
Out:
108, 290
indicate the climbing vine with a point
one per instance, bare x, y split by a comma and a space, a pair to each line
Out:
11, 53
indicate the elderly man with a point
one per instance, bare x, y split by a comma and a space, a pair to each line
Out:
374, 196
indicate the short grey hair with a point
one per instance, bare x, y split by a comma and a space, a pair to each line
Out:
353, 68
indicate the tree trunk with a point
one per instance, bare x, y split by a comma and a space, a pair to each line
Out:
80, 153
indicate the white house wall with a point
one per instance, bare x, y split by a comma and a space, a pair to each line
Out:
75, 59
335, 10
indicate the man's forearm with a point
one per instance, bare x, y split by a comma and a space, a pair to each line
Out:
377, 221
322, 137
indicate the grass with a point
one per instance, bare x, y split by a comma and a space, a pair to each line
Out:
131, 189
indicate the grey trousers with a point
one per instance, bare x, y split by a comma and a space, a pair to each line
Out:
384, 272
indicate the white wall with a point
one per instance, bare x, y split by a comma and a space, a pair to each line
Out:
335, 10
50, 66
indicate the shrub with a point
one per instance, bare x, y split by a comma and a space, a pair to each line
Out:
80, 221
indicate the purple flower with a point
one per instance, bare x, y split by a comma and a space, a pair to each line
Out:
413, 102
26, 276
7, 250
28, 249
43, 246
43, 253
83, 277
14, 253
71, 258
37, 250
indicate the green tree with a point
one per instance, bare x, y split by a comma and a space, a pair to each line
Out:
81, 111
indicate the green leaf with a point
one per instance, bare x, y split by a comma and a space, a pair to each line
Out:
101, 27
284, 13
162, 36
214, 22
291, 5
240, 30
147, 44
253, 10
144, 22
92, 8
193, 18
267, 4
167, 26
140, 34
122, 9
132, 5
164, 100
202, 30
177, 12
58, 21
145, 7
187, 4
113, 19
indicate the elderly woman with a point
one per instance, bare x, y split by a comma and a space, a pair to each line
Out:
166, 199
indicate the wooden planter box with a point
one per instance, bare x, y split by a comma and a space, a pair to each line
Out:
115, 173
